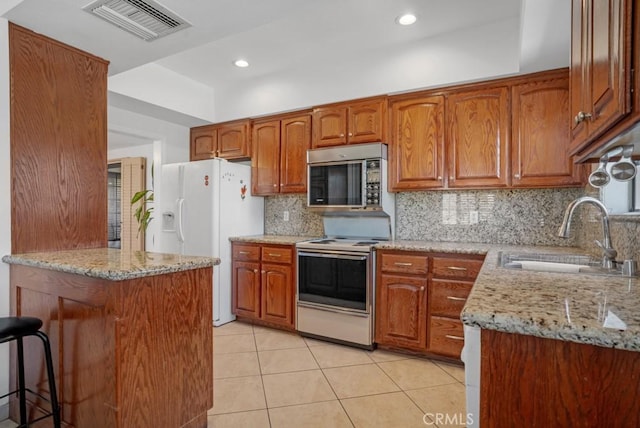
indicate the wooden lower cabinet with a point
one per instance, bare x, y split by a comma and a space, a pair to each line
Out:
128, 353
419, 297
263, 283
536, 382
401, 306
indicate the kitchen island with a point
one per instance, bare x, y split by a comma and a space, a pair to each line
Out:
131, 335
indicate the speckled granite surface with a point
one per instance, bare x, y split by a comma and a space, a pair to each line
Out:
589, 309
272, 239
111, 264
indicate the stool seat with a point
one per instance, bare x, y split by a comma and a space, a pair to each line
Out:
17, 328
12, 327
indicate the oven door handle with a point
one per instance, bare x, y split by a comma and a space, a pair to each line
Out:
333, 255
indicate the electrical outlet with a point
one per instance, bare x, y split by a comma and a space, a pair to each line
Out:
285, 216
473, 217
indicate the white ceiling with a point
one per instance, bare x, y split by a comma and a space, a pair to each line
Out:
307, 44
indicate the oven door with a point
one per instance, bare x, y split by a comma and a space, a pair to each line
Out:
333, 279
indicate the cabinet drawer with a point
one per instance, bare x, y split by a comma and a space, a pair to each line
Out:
446, 267
277, 254
404, 263
246, 252
446, 336
447, 298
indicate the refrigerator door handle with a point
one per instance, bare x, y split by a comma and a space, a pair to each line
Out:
180, 230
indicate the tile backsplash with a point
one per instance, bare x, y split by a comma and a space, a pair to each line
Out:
529, 217
525, 217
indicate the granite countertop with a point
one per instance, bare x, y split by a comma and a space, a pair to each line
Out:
581, 308
272, 239
111, 264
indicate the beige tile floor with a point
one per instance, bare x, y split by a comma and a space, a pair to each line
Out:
266, 378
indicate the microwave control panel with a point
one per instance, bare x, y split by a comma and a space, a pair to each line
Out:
373, 182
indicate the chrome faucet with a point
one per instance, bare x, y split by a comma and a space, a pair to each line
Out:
608, 253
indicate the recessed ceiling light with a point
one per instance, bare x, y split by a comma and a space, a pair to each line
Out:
406, 19
241, 63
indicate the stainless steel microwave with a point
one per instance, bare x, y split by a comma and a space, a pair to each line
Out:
347, 178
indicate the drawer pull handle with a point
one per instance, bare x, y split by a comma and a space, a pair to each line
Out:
244, 253
458, 299
275, 255
448, 336
403, 264
457, 268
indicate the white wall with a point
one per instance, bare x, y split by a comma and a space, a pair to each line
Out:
158, 85
438, 61
5, 205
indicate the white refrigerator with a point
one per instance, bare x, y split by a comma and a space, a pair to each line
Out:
202, 204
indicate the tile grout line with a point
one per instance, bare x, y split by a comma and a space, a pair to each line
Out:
264, 391
330, 386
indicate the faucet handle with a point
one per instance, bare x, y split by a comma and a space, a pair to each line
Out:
609, 253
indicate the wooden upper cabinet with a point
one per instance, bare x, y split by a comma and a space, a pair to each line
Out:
541, 134
204, 141
233, 140
361, 122
478, 138
229, 141
295, 140
601, 40
329, 127
265, 162
279, 155
416, 151
366, 122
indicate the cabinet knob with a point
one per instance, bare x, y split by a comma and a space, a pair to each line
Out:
341, 135
255, 271
350, 134
422, 288
275, 185
439, 178
452, 178
517, 176
582, 116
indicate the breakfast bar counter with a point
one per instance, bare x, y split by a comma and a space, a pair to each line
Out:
131, 335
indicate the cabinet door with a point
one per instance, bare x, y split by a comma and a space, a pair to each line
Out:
203, 143
246, 289
295, 140
541, 135
578, 80
265, 162
478, 138
401, 312
277, 294
367, 122
600, 67
329, 127
232, 141
416, 154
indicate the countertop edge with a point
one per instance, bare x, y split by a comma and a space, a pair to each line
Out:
111, 275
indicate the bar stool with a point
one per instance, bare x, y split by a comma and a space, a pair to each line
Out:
15, 328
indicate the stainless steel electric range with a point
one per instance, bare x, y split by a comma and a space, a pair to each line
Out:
336, 280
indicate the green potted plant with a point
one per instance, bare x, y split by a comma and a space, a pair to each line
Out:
143, 212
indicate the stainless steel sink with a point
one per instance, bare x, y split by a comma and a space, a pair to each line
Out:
565, 263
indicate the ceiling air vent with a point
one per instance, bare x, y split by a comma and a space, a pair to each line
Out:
146, 19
